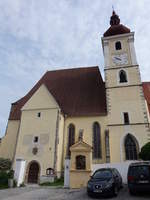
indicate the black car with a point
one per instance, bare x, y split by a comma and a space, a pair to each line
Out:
105, 181
139, 177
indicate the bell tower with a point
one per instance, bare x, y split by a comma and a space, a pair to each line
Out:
127, 111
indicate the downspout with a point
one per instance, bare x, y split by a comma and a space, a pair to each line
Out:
56, 142
63, 147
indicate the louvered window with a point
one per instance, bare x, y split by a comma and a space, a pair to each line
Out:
122, 76
118, 45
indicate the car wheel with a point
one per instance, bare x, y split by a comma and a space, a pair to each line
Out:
89, 194
121, 186
131, 192
115, 191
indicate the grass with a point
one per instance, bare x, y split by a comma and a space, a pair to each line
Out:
57, 182
3, 187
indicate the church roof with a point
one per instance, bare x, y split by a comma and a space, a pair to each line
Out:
78, 92
146, 90
115, 27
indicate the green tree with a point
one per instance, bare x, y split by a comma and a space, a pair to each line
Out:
145, 152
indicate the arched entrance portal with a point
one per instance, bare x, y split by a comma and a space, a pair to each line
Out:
33, 173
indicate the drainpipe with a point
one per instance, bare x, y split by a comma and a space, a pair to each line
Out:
63, 147
56, 142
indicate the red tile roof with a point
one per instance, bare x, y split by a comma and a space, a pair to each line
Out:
146, 90
78, 92
116, 28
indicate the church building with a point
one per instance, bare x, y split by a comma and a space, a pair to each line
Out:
111, 115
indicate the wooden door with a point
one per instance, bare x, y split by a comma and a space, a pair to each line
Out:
33, 173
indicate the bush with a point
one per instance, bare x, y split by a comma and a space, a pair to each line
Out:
145, 152
3, 178
5, 164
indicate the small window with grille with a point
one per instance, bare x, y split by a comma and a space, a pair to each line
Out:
36, 139
38, 114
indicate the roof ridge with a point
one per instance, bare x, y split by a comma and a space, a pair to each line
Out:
74, 68
145, 81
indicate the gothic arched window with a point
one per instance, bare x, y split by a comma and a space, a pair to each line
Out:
80, 162
96, 141
130, 148
71, 137
118, 45
122, 76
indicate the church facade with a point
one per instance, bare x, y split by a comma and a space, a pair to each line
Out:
112, 116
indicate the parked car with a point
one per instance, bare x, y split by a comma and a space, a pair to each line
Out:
138, 177
105, 181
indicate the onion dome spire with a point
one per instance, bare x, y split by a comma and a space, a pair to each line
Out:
114, 19
115, 27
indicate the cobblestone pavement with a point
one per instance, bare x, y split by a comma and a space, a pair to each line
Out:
40, 193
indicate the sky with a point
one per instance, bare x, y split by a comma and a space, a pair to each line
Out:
41, 35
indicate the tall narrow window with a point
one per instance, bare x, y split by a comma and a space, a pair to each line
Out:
107, 149
118, 45
126, 118
96, 141
71, 137
130, 148
122, 76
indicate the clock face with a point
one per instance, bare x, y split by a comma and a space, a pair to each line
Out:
121, 59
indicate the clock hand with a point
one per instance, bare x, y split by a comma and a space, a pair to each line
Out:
117, 58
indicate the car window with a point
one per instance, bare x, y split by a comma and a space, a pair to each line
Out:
116, 173
137, 170
102, 174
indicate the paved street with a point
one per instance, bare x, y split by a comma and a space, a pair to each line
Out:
39, 193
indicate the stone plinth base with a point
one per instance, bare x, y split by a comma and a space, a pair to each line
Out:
79, 178
44, 179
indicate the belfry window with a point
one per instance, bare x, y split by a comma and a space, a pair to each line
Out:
71, 137
118, 45
96, 141
122, 76
130, 148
